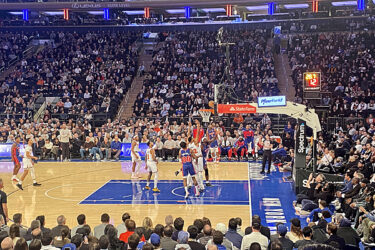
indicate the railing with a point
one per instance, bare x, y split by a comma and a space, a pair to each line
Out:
342, 122
40, 112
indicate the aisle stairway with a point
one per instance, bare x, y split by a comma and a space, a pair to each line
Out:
283, 74
126, 109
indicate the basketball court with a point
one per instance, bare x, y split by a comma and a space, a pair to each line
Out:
93, 188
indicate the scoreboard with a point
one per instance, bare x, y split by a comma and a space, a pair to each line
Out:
311, 81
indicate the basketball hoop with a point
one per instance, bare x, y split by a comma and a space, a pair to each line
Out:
206, 113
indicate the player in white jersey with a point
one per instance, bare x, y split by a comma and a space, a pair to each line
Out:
152, 167
136, 158
28, 164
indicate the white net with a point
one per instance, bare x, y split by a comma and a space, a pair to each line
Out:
205, 115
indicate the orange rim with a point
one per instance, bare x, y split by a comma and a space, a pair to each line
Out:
207, 110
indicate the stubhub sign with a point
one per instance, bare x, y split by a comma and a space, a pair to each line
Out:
271, 101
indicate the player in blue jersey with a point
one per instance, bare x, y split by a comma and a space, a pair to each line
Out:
212, 140
186, 157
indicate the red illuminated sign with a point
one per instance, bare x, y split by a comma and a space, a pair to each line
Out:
236, 109
311, 81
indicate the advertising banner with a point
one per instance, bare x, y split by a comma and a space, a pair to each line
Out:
236, 109
300, 151
271, 101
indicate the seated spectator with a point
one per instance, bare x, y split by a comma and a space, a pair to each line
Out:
286, 243
47, 241
166, 242
130, 227
295, 233
133, 242
307, 235
155, 241
99, 230
81, 219
193, 233
346, 232
232, 234
178, 226
169, 148
14, 233
334, 240
7, 244
115, 148
182, 240
207, 235
62, 239
61, 221
114, 242
35, 245
254, 237
86, 148
121, 228
263, 229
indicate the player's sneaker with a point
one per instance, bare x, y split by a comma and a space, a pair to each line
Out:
197, 194
186, 195
201, 190
147, 187
208, 184
156, 190
176, 173
19, 186
15, 179
36, 184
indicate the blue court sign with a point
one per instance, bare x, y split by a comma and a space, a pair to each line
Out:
271, 101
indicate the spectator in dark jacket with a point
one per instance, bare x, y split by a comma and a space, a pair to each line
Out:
334, 240
346, 232
232, 234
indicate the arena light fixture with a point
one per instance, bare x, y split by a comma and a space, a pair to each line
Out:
54, 13
96, 12
344, 3
213, 10
258, 7
296, 6
16, 13
175, 11
134, 12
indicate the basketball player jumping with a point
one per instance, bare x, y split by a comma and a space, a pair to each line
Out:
152, 167
186, 156
136, 158
28, 165
212, 140
16, 158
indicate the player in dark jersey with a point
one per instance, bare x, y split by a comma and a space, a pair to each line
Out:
205, 149
16, 158
186, 156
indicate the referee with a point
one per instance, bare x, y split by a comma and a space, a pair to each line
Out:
3, 203
267, 154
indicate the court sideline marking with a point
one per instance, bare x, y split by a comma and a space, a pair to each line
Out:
250, 204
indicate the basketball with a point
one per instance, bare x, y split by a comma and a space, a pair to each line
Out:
211, 104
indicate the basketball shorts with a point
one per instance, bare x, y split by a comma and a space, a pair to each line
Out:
188, 169
134, 158
152, 167
27, 163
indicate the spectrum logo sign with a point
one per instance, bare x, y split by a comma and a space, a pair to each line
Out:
271, 101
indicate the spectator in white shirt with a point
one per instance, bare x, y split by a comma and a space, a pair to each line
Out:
254, 236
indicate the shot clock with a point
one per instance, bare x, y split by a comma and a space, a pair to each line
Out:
311, 81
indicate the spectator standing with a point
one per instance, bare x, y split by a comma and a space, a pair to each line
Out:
65, 135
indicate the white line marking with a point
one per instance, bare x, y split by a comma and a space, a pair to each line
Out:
68, 185
94, 191
248, 175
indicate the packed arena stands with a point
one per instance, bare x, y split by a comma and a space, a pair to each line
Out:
90, 72
186, 67
86, 73
12, 46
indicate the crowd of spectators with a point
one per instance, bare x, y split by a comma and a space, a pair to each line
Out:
174, 234
188, 64
12, 45
346, 63
87, 72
